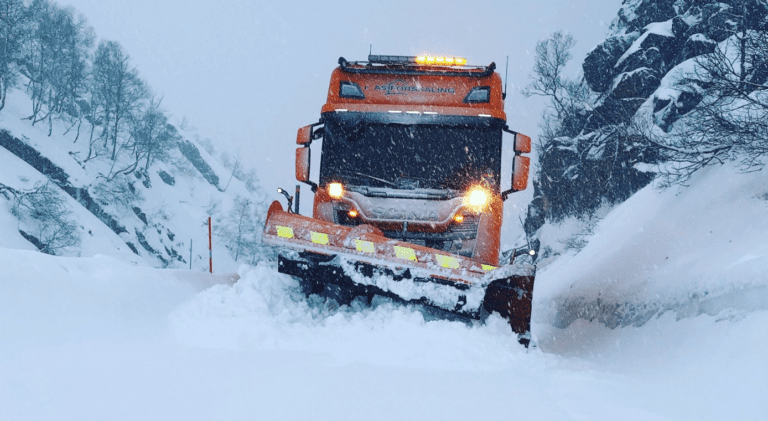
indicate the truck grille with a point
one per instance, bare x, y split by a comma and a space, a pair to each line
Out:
458, 238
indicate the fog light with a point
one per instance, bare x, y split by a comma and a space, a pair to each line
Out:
459, 218
353, 213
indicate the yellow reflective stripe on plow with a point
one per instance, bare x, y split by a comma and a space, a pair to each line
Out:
405, 253
365, 246
285, 232
447, 261
489, 267
319, 237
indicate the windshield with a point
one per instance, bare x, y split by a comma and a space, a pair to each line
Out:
410, 156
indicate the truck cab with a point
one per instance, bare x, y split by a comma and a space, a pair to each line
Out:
412, 147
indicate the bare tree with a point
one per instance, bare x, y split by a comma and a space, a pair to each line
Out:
552, 55
151, 136
71, 84
68, 81
568, 98
241, 230
731, 121
235, 167
118, 192
251, 180
8, 191
92, 110
47, 213
55, 60
13, 27
118, 92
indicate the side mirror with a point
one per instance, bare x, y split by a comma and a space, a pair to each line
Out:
304, 136
302, 164
520, 164
522, 143
520, 168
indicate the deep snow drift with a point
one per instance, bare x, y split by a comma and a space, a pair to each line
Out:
100, 339
689, 250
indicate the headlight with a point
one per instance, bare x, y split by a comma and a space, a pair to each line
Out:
477, 198
336, 190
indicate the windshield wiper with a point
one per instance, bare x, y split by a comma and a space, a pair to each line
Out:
366, 175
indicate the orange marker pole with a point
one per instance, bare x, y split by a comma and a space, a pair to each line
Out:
210, 248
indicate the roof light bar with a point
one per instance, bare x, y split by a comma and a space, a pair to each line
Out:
422, 60
391, 59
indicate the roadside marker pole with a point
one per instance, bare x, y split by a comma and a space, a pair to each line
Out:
210, 249
190, 254
298, 191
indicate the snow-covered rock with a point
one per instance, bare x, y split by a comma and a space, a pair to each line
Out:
658, 35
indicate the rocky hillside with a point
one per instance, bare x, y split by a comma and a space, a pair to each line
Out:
649, 39
596, 151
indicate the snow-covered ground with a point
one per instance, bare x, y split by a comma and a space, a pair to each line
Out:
96, 338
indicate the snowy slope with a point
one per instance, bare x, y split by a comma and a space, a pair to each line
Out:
155, 229
94, 338
689, 250
96, 237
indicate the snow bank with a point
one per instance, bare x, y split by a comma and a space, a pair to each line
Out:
692, 250
47, 300
95, 339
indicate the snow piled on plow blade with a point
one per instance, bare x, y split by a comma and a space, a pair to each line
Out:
265, 310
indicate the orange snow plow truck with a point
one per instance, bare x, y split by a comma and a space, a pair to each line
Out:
409, 199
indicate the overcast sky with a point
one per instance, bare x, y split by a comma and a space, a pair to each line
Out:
248, 74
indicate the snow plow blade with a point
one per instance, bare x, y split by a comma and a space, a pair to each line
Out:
347, 262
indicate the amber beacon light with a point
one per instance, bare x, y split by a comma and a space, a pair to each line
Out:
441, 61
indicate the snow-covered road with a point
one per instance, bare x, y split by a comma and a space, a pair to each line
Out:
99, 339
